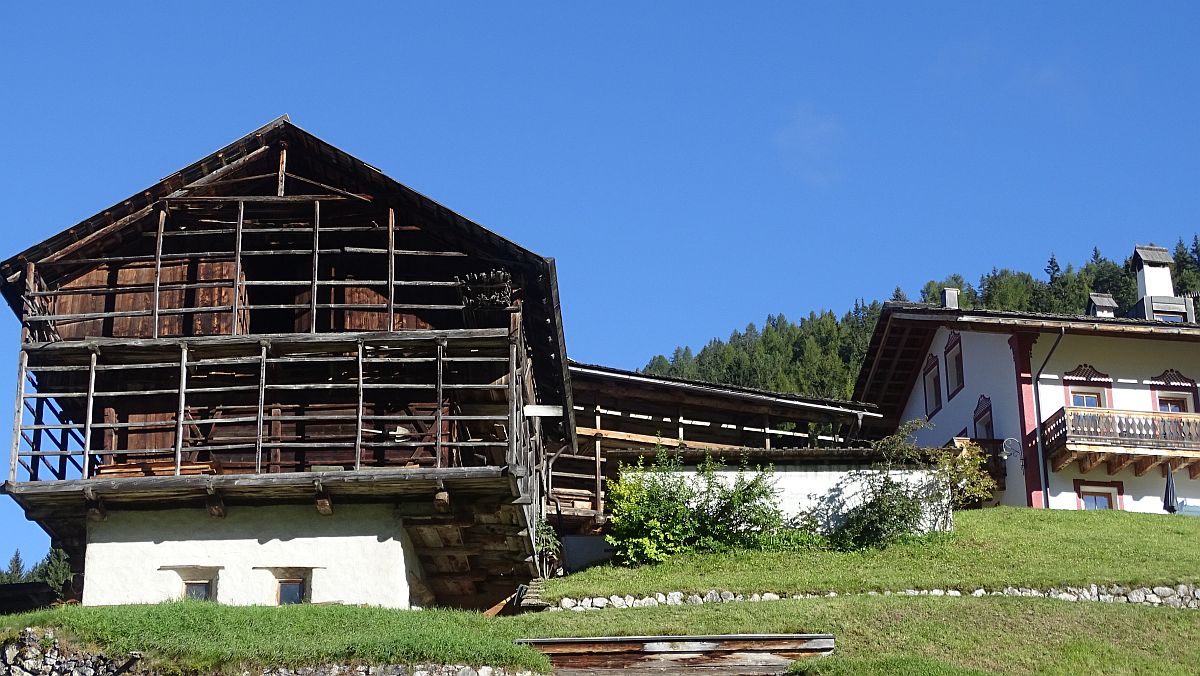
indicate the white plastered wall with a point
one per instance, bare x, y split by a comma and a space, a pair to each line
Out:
988, 370
360, 554
1130, 363
799, 487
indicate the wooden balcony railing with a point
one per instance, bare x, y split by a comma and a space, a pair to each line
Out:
1108, 427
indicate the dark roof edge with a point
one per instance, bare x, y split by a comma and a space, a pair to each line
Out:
1044, 321
717, 389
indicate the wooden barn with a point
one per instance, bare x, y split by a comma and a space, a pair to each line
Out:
272, 340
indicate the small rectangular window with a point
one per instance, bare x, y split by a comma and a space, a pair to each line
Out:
1174, 317
933, 387
1172, 405
1097, 500
1087, 399
291, 592
198, 591
954, 371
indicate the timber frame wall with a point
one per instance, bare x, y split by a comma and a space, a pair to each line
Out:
346, 374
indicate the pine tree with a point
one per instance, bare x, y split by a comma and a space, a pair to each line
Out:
16, 569
1052, 269
899, 295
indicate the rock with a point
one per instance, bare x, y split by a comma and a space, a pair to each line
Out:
1106, 598
1173, 601
617, 601
953, 592
466, 671
887, 592
486, 671
599, 602
1153, 598
770, 596
628, 600
695, 600
910, 592
579, 608
755, 598
586, 602
567, 603
1163, 592
1137, 595
1066, 596
675, 598
661, 598
937, 592
726, 596
651, 601
713, 596
978, 592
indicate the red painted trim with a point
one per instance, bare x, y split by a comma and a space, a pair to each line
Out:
1022, 347
1081, 484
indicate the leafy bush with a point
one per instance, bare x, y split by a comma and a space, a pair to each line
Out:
658, 511
889, 511
650, 511
877, 507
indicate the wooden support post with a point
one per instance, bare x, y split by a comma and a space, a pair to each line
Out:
679, 422
158, 247
282, 170
214, 503
36, 445
18, 414
316, 245
237, 261
512, 400
391, 270
262, 392
87, 416
358, 419
599, 503
767, 432
437, 412
181, 409
324, 501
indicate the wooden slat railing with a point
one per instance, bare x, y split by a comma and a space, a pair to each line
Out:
1108, 427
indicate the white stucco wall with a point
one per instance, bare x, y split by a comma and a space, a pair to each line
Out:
358, 555
988, 370
800, 487
1130, 363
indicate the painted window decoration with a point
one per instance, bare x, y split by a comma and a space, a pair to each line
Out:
983, 418
954, 365
198, 590
1099, 494
292, 592
933, 387
1173, 392
1087, 387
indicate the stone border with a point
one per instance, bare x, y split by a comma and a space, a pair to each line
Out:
1179, 596
38, 653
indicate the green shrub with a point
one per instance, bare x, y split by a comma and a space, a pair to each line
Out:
792, 539
650, 511
889, 511
658, 511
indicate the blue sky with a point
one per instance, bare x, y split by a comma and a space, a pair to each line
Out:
692, 166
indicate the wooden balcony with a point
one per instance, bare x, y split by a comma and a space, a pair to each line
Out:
1120, 439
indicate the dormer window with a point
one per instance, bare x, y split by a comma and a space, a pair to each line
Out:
954, 365
933, 387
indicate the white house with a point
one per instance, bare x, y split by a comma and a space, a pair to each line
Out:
1099, 407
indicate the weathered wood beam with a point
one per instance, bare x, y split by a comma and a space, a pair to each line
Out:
441, 502
652, 440
324, 503
215, 505
1061, 459
1118, 462
282, 169
1146, 463
1089, 461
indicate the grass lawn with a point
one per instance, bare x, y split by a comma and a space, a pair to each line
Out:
990, 548
874, 634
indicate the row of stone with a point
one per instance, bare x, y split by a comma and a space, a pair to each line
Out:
1178, 596
35, 653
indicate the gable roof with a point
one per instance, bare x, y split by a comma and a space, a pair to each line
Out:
323, 160
903, 335
1155, 255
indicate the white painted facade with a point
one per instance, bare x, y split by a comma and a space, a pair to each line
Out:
799, 488
360, 554
990, 369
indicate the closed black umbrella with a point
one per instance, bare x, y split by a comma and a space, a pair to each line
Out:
1169, 498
